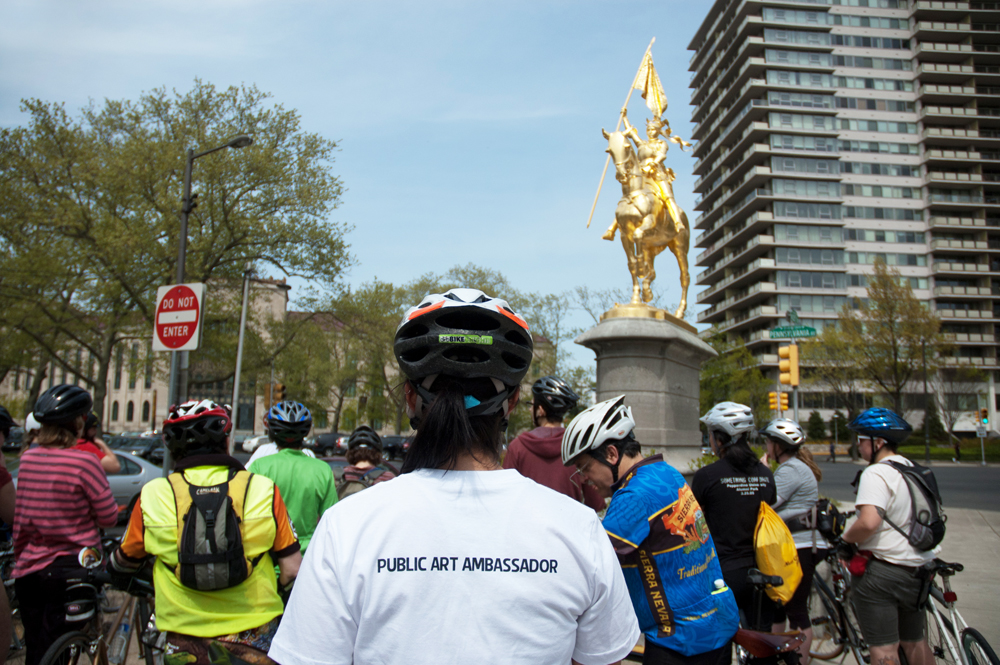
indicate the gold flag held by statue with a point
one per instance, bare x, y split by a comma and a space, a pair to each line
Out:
648, 82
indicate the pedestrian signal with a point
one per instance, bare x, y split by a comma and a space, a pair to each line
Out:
788, 365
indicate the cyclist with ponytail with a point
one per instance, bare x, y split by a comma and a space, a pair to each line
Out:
797, 483
730, 491
457, 559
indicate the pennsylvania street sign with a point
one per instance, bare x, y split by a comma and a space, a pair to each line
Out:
791, 332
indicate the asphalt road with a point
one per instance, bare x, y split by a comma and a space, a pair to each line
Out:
962, 485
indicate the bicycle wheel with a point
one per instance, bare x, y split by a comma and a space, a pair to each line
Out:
977, 649
151, 641
942, 644
828, 641
70, 649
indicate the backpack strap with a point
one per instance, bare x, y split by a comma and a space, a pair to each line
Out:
370, 471
182, 500
239, 486
881, 511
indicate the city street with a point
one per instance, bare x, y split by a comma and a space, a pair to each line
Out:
964, 485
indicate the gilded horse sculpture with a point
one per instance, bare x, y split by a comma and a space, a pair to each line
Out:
647, 214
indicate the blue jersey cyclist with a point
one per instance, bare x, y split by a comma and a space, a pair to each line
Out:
685, 610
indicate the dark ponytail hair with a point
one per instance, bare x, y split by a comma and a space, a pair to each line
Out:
737, 452
445, 431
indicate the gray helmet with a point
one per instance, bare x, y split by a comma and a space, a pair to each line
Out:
729, 417
786, 432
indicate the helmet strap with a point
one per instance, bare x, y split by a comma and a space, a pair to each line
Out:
613, 467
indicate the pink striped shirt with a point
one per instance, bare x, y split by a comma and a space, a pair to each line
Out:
63, 498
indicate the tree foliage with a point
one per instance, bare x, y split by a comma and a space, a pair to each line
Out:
89, 213
882, 342
734, 376
815, 427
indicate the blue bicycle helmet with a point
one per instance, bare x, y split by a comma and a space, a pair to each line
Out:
288, 422
883, 424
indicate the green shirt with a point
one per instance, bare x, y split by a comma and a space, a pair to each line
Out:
307, 487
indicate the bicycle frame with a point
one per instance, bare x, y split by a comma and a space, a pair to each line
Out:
951, 634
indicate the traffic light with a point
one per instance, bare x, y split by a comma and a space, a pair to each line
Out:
789, 365
772, 400
267, 397
784, 401
984, 416
279, 392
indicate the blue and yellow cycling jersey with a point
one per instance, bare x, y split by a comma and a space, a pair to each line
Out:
666, 552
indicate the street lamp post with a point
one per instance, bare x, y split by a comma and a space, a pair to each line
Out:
177, 392
239, 351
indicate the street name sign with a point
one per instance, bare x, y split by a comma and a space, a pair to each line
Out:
792, 332
177, 326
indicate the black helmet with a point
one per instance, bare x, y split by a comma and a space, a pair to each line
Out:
62, 403
92, 421
555, 395
466, 334
195, 427
6, 422
288, 422
364, 437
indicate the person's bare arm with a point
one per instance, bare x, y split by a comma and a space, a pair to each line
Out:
7, 496
109, 462
865, 526
288, 568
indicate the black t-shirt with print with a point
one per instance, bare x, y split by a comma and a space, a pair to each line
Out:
731, 500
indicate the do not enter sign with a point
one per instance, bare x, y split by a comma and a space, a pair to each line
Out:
178, 317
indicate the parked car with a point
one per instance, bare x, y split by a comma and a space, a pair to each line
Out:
128, 482
12, 444
255, 442
143, 446
329, 444
394, 445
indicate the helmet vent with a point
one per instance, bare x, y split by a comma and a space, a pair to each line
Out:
415, 330
467, 354
414, 355
514, 361
466, 320
516, 338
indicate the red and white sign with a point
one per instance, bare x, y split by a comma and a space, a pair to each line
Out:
178, 317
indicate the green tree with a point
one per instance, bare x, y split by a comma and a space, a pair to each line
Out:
88, 213
932, 423
734, 376
815, 428
838, 427
889, 335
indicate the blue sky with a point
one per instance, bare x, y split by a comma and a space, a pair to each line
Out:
469, 131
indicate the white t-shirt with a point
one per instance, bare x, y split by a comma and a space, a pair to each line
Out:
884, 487
458, 567
270, 449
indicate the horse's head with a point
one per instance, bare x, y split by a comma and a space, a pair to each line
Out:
621, 152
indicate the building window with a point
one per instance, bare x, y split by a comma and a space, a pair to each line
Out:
114, 411
17, 380
133, 365
145, 411
148, 379
130, 411
119, 353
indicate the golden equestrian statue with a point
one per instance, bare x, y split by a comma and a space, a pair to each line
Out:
648, 216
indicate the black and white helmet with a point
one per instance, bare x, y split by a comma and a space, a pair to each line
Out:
555, 395
465, 334
607, 421
786, 432
729, 417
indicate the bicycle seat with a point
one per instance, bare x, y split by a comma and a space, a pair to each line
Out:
760, 580
946, 569
762, 645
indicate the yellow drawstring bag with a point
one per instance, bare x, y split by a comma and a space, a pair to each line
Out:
775, 552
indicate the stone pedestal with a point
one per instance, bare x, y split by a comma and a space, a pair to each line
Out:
655, 363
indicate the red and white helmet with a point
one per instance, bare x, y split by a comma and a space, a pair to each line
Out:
196, 424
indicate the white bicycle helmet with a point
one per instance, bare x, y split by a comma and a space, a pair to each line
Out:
607, 421
729, 417
787, 432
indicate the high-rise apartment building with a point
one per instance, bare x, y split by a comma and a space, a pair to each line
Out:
834, 132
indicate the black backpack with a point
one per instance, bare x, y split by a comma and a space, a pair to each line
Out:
927, 518
353, 484
210, 553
